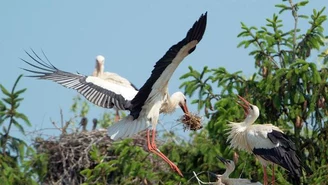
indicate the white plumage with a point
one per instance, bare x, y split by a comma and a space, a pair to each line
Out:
153, 97
106, 93
129, 91
128, 127
269, 144
99, 71
144, 105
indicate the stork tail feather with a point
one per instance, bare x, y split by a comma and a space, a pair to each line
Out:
127, 127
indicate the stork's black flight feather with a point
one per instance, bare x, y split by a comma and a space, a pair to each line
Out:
195, 33
284, 155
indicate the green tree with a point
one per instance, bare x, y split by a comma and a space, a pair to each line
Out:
15, 166
290, 91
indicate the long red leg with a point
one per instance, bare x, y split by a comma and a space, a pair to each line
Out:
117, 116
153, 148
273, 178
265, 176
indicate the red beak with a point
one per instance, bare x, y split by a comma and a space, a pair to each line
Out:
245, 105
184, 108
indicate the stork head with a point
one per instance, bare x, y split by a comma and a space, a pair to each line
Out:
252, 112
180, 101
229, 164
100, 61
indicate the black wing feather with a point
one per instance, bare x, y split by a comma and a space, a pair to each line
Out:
284, 155
195, 33
95, 94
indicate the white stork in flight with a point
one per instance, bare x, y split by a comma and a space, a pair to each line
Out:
269, 144
111, 77
144, 105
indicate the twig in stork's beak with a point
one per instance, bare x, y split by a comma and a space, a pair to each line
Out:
223, 160
246, 106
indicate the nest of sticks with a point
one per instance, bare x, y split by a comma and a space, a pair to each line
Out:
191, 121
69, 154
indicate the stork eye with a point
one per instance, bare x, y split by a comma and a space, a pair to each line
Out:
251, 107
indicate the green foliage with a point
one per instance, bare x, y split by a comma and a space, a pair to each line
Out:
290, 91
14, 166
9, 106
106, 120
100, 173
80, 108
130, 167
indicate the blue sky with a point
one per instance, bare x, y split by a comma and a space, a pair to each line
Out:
132, 35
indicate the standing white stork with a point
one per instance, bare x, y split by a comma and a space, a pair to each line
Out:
269, 144
111, 77
144, 105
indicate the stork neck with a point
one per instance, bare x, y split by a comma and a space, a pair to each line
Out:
227, 172
170, 104
99, 70
250, 119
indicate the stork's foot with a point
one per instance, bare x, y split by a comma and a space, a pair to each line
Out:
156, 151
153, 148
176, 169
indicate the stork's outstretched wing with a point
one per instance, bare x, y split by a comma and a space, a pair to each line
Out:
165, 66
96, 90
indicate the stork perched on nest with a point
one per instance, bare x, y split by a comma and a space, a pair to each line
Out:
269, 144
111, 78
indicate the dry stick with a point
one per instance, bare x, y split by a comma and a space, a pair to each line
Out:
173, 138
201, 182
242, 171
61, 117
55, 125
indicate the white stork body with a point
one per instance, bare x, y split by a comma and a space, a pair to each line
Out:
144, 105
269, 144
108, 76
112, 78
247, 137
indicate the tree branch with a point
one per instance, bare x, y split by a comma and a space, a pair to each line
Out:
294, 13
